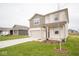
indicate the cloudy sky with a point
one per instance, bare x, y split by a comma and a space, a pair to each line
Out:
16, 13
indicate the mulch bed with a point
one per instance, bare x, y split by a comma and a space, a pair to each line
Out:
62, 51
51, 41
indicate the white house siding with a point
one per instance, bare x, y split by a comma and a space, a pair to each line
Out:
62, 16
66, 30
37, 33
51, 18
59, 36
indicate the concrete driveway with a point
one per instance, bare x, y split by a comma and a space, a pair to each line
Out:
7, 43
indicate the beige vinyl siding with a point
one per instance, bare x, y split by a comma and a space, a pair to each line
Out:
51, 18
42, 21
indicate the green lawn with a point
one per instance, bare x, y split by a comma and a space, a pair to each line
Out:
42, 49
11, 37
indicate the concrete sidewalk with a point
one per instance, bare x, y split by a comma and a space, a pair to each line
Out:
7, 43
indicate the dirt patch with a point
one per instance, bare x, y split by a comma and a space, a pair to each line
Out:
51, 41
63, 51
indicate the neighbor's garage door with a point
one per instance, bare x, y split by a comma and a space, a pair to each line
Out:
23, 32
35, 34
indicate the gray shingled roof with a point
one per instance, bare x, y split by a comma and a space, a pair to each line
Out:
2, 28
20, 27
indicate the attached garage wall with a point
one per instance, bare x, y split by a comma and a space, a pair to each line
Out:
15, 32
23, 32
20, 32
37, 34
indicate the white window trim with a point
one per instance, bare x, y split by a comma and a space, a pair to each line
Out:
36, 21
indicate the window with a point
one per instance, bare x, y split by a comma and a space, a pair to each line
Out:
56, 18
37, 21
0, 32
56, 32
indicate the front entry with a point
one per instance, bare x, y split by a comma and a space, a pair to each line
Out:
47, 33
11, 32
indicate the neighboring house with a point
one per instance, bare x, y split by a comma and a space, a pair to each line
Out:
16, 30
19, 30
72, 31
53, 26
4, 31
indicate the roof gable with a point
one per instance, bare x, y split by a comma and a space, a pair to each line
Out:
2, 28
18, 27
66, 10
57, 11
35, 16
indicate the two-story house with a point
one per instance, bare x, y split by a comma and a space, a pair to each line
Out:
52, 26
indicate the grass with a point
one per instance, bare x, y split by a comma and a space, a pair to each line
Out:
11, 37
42, 49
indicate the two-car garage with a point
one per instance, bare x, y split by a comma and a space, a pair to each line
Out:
37, 33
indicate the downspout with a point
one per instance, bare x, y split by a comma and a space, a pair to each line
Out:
47, 33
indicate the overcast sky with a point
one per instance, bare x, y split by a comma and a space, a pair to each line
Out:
11, 13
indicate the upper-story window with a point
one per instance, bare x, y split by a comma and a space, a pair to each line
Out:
56, 18
36, 21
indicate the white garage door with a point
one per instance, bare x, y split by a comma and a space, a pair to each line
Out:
35, 34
